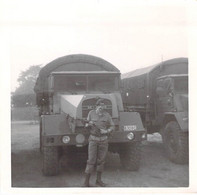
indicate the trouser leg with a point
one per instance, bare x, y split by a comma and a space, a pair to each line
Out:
101, 156
102, 153
92, 155
87, 179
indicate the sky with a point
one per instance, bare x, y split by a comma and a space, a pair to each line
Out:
129, 34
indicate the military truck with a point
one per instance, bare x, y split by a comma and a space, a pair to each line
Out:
66, 90
160, 94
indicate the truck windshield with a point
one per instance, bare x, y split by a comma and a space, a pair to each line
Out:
181, 85
70, 83
76, 83
102, 83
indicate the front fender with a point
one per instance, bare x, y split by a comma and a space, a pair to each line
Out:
182, 118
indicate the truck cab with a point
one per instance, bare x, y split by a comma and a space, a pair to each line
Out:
84, 85
172, 99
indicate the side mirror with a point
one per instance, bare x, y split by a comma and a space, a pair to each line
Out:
160, 91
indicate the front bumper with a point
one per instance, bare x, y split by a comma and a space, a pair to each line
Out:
79, 139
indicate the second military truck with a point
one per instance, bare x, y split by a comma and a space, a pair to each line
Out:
67, 89
160, 94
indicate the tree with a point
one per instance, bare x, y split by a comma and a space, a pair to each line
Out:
27, 80
24, 94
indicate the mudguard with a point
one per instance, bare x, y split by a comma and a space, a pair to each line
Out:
182, 119
130, 121
55, 125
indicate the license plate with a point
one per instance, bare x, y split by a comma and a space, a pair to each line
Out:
130, 127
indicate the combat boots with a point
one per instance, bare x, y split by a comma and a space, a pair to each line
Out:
98, 180
87, 179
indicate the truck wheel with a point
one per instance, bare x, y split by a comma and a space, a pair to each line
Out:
50, 160
176, 143
130, 155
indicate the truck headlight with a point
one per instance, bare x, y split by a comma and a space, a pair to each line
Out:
130, 136
65, 139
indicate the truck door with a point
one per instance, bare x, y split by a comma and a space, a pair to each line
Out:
164, 97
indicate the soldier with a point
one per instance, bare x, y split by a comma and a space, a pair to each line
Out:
101, 125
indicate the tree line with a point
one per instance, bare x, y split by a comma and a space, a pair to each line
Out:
24, 94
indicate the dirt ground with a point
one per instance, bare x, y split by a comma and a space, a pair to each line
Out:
155, 170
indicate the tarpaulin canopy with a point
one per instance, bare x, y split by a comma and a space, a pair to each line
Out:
141, 83
146, 70
75, 62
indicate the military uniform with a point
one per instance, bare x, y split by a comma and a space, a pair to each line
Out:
98, 144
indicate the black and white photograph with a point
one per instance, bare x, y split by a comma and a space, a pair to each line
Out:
99, 95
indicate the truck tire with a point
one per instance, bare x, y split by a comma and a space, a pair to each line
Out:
176, 143
130, 155
50, 160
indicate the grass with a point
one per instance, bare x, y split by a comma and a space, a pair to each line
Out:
24, 114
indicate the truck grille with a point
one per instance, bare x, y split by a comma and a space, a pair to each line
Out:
89, 104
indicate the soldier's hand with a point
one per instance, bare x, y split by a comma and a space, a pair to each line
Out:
91, 122
103, 131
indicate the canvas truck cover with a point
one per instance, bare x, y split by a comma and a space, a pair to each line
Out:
141, 83
75, 62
